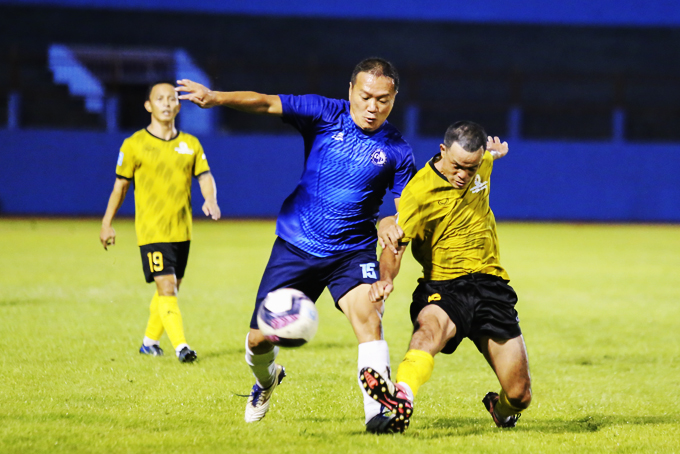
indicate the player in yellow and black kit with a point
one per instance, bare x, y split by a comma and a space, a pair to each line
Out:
161, 161
444, 213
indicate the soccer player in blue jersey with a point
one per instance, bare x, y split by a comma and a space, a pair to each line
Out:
326, 227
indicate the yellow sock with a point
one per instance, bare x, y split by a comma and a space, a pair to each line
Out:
172, 319
415, 369
154, 327
504, 408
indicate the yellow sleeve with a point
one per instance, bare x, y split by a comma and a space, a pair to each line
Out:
200, 160
125, 167
407, 216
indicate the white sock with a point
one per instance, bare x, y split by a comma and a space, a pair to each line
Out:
263, 366
180, 347
148, 342
375, 355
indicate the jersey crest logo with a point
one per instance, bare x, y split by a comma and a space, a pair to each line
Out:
339, 136
479, 185
184, 149
378, 157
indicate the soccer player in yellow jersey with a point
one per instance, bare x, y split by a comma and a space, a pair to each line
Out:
444, 213
161, 161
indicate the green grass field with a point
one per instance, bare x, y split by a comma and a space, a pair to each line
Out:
600, 310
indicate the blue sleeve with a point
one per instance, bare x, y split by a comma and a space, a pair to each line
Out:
404, 171
305, 111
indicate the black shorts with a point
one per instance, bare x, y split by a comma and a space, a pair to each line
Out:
159, 259
480, 305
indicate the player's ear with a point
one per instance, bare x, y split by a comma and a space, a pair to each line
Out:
147, 105
442, 147
350, 89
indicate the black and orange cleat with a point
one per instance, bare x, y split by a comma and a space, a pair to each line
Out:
490, 401
390, 396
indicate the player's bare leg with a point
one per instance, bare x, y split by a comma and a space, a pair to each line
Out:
261, 357
509, 360
366, 320
433, 329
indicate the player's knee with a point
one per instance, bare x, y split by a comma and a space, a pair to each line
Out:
257, 342
426, 336
166, 285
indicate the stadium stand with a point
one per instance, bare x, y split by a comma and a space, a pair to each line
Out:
559, 82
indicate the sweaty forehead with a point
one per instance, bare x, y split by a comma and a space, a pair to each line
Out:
466, 158
162, 89
372, 82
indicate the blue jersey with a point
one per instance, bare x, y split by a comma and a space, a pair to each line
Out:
335, 205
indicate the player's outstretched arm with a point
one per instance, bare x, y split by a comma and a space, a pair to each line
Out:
107, 235
389, 268
496, 148
209, 190
246, 101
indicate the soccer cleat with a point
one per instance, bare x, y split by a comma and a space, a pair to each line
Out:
258, 401
186, 355
490, 401
390, 395
385, 423
153, 350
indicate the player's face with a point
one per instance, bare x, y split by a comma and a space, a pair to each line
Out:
460, 166
371, 100
163, 104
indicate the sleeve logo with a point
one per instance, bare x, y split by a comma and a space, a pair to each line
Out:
184, 149
120, 159
479, 185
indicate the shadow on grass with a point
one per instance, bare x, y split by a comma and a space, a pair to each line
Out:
460, 426
219, 353
22, 302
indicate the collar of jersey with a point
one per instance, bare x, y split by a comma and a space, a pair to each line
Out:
159, 138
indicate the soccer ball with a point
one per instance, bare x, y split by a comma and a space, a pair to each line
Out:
287, 318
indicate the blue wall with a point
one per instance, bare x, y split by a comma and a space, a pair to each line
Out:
577, 12
69, 173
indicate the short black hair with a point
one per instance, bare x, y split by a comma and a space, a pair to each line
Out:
378, 67
470, 136
149, 88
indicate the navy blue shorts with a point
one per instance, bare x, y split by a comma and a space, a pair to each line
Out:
291, 267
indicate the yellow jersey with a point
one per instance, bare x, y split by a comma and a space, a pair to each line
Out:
452, 231
161, 171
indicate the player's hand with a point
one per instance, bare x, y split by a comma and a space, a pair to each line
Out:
389, 233
107, 236
497, 149
212, 209
379, 291
196, 93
